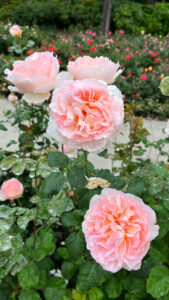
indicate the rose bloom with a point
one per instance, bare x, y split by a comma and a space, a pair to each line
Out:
101, 68
11, 189
12, 98
85, 114
35, 77
118, 228
15, 31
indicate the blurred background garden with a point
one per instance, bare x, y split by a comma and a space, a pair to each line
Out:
137, 37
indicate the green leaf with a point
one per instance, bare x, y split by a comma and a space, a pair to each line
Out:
70, 220
158, 281
58, 159
8, 162
116, 182
113, 288
75, 244
29, 295
19, 167
135, 286
136, 186
56, 207
5, 242
23, 221
164, 86
4, 226
95, 294
155, 186
52, 185
89, 276
29, 277
63, 252
68, 269
46, 245
2, 127
55, 288
76, 177
30, 43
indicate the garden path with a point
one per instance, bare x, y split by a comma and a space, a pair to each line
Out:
153, 126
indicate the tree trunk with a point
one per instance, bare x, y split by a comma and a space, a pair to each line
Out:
152, 2
106, 16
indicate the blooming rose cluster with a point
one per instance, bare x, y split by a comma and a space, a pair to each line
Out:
86, 112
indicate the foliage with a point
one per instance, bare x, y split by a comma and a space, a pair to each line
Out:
43, 252
131, 16
141, 55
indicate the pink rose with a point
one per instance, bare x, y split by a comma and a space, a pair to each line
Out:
35, 77
101, 68
85, 114
11, 189
12, 98
118, 228
15, 31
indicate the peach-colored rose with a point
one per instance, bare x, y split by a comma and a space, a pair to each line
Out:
85, 114
15, 31
118, 228
11, 189
34, 77
100, 68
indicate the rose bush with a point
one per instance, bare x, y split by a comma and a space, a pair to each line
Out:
43, 251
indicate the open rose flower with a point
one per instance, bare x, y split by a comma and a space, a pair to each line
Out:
15, 31
11, 189
85, 114
34, 77
100, 68
118, 228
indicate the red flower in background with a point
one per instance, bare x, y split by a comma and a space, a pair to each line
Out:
91, 42
30, 52
128, 57
92, 49
143, 77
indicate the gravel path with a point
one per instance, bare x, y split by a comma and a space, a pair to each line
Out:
153, 126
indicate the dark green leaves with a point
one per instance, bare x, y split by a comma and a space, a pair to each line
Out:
116, 182
76, 177
89, 276
58, 159
136, 186
158, 281
29, 276
55, 288
29, 295
75, 244
52, 185
113, 288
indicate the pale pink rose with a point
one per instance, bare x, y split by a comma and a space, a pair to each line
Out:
35, 77
100, 68
12, 98
118, 228
11, 189
85, 114
15, 31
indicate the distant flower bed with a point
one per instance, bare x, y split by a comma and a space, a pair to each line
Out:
143, 59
